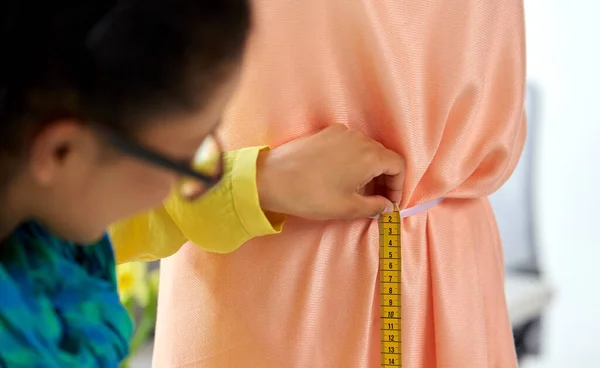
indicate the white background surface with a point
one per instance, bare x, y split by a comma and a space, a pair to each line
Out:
564, 60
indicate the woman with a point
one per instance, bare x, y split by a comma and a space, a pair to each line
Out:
440, 82
315, 177
105, 108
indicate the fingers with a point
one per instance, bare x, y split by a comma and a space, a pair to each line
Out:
394, 178
334, 129
390, 163
393, 167
370, 206
394, 187
385, 163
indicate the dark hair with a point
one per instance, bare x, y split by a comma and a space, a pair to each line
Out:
111, 62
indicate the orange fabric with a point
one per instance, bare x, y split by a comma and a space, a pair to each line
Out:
442, 83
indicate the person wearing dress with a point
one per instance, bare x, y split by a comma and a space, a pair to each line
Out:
439, 82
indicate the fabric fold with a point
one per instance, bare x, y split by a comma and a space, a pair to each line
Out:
440, 82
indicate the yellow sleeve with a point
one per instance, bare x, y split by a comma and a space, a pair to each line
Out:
221, 221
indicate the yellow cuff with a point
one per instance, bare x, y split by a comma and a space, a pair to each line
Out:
245, 196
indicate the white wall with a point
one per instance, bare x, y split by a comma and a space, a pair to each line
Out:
564, 60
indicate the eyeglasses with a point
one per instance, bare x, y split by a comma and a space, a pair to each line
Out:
204, 172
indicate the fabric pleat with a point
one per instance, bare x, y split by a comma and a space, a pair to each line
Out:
440, 82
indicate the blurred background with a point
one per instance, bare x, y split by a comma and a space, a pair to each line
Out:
547, 212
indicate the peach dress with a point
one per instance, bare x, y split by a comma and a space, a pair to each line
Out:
439, 81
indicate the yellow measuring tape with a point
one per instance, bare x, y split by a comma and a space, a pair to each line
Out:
390, 271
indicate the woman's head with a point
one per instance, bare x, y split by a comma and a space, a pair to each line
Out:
103, 102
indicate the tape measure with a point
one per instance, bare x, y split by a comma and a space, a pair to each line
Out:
390, 289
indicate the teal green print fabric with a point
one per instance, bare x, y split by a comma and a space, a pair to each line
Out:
59, 305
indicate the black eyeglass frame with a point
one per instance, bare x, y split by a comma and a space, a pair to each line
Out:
134, 149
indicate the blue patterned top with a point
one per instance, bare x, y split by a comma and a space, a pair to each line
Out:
59, 305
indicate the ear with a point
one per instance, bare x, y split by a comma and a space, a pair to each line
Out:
51, 148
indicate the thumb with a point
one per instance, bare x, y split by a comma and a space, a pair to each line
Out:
371, 206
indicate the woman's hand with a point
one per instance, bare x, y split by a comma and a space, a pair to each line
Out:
323, 176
